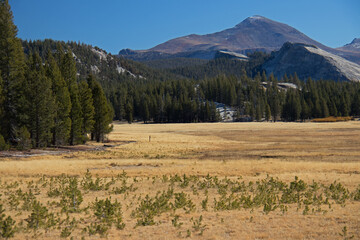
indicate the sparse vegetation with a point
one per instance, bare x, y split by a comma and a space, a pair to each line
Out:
204, 197
266, 195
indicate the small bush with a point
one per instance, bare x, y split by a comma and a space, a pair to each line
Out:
3, 145
24, 142
7, 225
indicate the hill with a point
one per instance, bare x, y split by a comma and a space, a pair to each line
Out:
108, 69
311, 61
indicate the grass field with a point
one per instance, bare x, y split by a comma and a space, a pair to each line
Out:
197, 181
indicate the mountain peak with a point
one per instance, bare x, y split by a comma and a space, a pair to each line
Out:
356, 40
256, 17
252, 19
354, 46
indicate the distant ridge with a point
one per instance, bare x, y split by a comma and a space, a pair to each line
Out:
354, 46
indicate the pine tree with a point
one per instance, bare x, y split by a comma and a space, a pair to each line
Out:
12, 68
324, 108
258, 113
292, 106
76, 136
305, 113
355, 106
103, 111
129, 112
62, 122
40, 107
1, 99
267, 112
68, 71
88, 111
145, 110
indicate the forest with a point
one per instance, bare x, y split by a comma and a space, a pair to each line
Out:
193, 101
42, 102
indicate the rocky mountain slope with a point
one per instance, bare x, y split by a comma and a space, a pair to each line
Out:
255, 33
311, 61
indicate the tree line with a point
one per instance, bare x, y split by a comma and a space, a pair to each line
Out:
41, 101
260, 98
171, 101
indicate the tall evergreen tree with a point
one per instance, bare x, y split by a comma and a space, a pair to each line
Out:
12, 67
145, 109
1, 99
88, 111
355, 106
62, 122
305, 112
292, 106
129, 112
103, 112
267, 112
68, 71
40, 107
76, 136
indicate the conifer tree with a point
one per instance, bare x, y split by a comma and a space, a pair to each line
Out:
145, 109
324, 108
62, 122
103, 112
305, 113
68, 71
129, 112
88, 111
1, 99
40, 107
76, 136
355, 106
267, 112
12, 68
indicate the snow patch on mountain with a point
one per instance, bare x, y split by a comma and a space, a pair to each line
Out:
256, 17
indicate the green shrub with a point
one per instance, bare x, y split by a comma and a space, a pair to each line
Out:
7, 225
24, 142
3, 145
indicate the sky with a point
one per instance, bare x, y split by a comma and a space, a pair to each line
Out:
141, 24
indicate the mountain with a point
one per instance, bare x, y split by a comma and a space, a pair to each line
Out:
354, 46
255, 33
311, 61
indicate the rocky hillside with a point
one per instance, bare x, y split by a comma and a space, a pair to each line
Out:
311, 61
108, 69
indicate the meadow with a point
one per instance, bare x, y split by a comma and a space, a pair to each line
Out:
195, 181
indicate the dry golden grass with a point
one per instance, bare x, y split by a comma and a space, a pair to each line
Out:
324, 152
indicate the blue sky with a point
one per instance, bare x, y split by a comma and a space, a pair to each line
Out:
142, 24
